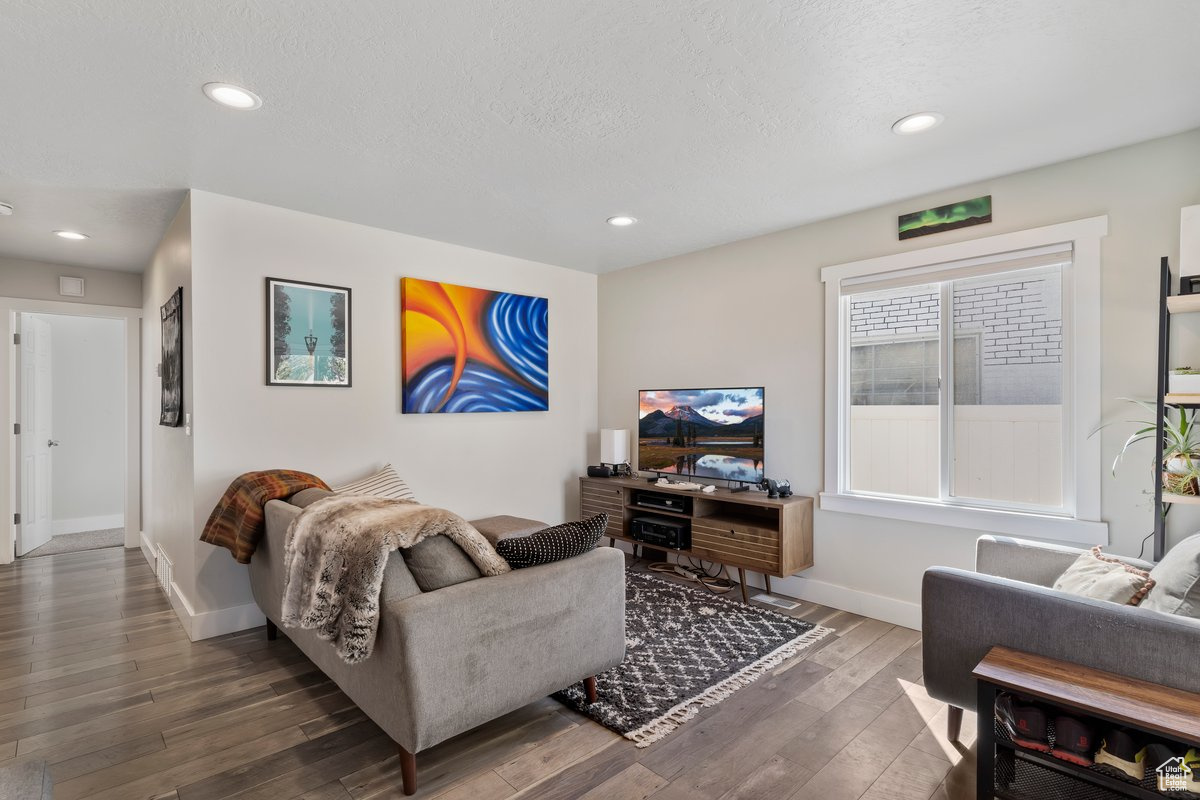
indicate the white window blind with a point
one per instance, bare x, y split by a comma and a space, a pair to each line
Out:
963, 268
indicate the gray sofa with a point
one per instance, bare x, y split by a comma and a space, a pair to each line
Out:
1008, 601
448, 660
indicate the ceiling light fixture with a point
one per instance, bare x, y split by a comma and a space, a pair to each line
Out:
621, 221
232, 96
72, 235
6, 209
917, 123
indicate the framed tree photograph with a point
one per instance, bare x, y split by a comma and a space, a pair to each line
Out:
308, 334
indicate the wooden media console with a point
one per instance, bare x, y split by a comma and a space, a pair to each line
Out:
746, 530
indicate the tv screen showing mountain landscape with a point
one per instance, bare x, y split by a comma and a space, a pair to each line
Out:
702, 433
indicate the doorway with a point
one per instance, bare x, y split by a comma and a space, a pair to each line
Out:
70, 398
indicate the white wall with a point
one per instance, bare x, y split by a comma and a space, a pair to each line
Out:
474, 464
167, 486
38, 280
88, 408
752, 312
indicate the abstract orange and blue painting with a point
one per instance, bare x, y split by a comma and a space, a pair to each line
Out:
466, 349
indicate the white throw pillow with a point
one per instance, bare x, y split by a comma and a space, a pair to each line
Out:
1103, 577
385, 483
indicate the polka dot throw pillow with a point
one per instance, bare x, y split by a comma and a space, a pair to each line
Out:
553, 544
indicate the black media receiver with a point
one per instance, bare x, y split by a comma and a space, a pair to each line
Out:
663, 502
661, 532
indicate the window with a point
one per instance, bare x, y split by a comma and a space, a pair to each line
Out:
955, 395
905, 373
901, 373
1001, 426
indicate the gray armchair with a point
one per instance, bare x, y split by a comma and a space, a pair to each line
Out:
1008, 601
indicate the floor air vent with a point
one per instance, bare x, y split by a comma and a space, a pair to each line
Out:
778, 602
162, 570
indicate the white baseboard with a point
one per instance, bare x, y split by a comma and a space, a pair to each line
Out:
208, 624
843, 598
856, 601
226, 620
147, 548
81, 524
182, 609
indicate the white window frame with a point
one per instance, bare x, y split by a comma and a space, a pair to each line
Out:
1079, 522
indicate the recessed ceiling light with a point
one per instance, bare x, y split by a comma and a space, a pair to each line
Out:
72, 235
232, 96
917, 123
621, 220
6, 209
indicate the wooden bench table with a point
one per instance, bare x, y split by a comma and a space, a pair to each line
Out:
1006, 771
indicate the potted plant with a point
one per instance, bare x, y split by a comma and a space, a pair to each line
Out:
1181, 483
1184, 380
1180, 466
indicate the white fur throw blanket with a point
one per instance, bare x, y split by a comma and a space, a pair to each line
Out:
335, 556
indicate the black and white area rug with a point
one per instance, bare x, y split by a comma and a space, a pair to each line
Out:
685, 649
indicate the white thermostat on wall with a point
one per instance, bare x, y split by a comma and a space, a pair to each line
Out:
70, 287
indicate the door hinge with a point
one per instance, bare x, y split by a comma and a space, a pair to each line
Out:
17, 518
17, 428
16, 338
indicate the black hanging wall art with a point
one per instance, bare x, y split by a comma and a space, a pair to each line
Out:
172, 361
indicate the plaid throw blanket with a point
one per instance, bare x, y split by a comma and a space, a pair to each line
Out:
237, 522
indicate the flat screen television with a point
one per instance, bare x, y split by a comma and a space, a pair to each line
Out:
702, 433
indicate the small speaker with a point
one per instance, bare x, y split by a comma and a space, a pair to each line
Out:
599, 472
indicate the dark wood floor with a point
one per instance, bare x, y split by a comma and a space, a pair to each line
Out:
98, 680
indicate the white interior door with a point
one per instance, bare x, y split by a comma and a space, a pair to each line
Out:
36, 436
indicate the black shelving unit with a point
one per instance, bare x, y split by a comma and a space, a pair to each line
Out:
1164, 355
1183, 303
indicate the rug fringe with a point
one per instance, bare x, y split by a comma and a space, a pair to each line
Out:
657, 728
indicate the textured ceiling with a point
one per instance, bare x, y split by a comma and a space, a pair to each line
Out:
518, 126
